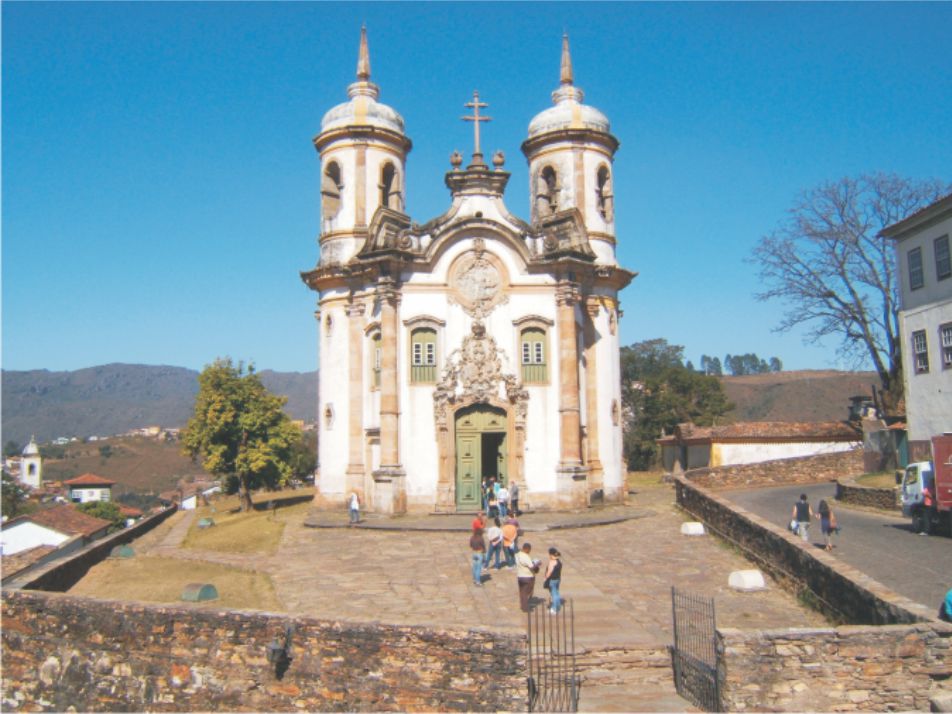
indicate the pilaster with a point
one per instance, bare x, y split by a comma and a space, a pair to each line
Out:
355, 462
567, 296
596, 480
390, 478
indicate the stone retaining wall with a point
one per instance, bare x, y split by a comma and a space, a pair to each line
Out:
897, 667
62, 652
61, 575
842, 592
848, 491
805, 469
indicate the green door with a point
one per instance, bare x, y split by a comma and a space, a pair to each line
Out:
481, 450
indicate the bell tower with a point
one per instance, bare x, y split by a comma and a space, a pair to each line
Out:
363, 153
571, 150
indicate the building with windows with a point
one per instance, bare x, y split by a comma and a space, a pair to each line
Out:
475, 344
89, 487
925, 320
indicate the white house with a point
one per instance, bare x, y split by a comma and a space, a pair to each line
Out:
925, 320
89, 487
693, 447
475, 344
63, 527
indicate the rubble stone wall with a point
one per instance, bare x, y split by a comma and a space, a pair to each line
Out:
891, 668
843, 593
62, 651
804, 469
848, 491
60, 575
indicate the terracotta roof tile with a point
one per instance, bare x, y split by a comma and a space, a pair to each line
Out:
89, 480
770, 430
13, 564
65, 519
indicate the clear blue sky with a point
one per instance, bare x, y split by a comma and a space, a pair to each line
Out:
160, 189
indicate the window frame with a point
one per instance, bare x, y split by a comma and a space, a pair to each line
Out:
917, 276
920, 357
945, 344
941, 261
423, 354
534, 352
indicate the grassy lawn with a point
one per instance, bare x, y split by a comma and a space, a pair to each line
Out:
162, 580
641, 480
236, 532
883, 479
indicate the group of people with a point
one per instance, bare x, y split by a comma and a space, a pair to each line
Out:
803, 514
503, 539
500, 500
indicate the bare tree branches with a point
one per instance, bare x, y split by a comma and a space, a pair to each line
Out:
829, 264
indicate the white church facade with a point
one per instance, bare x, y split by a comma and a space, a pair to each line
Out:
475, 344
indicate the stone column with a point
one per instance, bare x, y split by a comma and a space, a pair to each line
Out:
360, 186
596, 480
355, 435
571, 473
566, 298
390, 478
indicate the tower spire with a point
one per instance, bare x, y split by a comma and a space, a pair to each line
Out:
363, 57
566, 74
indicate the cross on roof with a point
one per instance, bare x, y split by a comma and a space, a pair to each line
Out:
475, 105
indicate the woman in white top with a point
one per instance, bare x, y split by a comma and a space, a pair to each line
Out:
354, 508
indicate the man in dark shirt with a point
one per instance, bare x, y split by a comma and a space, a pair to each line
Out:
802, 513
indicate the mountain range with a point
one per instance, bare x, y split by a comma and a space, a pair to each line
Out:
114, 398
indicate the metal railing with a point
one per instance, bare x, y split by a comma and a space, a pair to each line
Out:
694, 654
553, 675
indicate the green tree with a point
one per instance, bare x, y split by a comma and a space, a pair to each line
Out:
835, 271
106, 510
658, 393
13, 497
11, 448
239, 429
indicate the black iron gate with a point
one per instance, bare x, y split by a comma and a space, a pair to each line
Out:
553, 677
694, 654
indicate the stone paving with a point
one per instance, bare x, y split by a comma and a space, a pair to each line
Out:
619, 576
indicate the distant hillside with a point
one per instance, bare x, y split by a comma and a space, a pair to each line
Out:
806, 395
113, 398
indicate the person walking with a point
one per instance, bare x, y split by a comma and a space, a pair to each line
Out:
503, 500
479, 521
510, 532
526, 569
514, 498
494, 534
354, 508
802, 513
827, 520
553, 579
477, 544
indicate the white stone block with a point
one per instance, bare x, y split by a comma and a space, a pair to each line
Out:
747, 580
692, 528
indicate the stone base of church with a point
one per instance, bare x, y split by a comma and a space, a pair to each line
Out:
389, 490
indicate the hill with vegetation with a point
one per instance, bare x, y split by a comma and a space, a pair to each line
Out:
114, 398
802, 395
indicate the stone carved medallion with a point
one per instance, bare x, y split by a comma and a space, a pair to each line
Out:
477, 282
473, 374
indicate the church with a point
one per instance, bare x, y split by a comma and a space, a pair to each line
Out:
476, 344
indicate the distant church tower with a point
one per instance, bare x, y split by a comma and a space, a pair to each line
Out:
31, 465
475, 345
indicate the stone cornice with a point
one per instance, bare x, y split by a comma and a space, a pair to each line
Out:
585, 136
364, 132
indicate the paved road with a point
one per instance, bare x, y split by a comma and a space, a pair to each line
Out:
884, 547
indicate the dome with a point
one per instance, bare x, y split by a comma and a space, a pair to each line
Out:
362, 110
568, 112
31, 448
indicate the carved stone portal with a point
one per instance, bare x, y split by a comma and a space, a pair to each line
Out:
473, 375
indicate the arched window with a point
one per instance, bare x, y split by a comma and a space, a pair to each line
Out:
546, 193
534, 355
605, 195
376, 359
390, 188
31, 469
423, 355
331, 186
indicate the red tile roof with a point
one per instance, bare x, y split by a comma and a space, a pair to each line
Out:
129, 511
761, 431
89, 480
13, 564
65, 519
